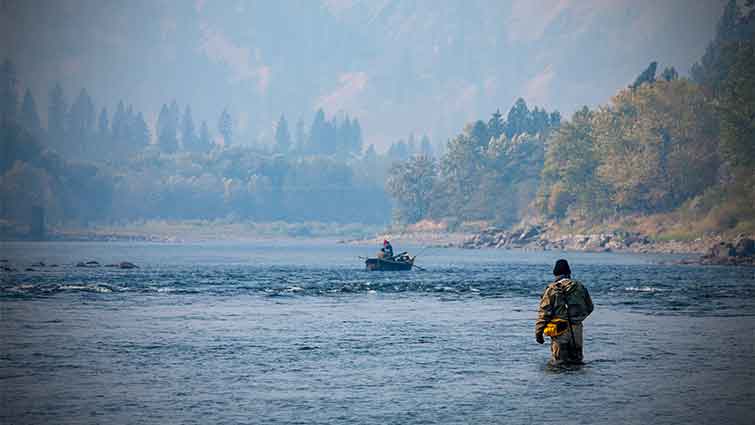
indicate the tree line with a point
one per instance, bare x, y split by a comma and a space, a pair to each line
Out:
491, 164
665, 143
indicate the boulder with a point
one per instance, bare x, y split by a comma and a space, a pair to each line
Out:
127, 265
722, 250
745, 247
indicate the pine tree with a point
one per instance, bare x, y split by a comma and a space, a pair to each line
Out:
554, 119
301, 136
119, 122
140, 132
188, 132
317, 133
8, 92
669, 74
282, 136
128, 128
56, 115
81, 121
166, 130
517, 120
205, 140
495, 124
647, 76
225, 127
103, 126
29, 115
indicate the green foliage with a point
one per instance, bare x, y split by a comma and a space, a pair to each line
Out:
737, 108
412, 185
647, 76
657, 145
569, 171
669, 74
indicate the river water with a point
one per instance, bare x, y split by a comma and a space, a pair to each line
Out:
297, 332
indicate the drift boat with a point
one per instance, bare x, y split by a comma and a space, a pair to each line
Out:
396, 263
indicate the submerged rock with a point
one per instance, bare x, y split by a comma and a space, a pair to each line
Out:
123, 265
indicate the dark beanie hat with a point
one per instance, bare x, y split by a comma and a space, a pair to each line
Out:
561, 268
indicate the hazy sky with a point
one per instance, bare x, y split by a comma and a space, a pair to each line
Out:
399, 66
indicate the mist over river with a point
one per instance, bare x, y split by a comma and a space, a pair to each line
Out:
297, 332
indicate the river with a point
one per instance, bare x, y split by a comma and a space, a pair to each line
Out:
293, 332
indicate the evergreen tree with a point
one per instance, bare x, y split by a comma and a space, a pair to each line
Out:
554, 119
188, 132
225, 127
518, 118
167, 130
479, 133
29, 115
81, 121
647, 76
205, 140
8, 92
128, 127
282, 136
496, 124
318, 133
301, 136
728, 26
140, 132
103, 126
119, 122
56, 115
669, 74
732, 27
539, 121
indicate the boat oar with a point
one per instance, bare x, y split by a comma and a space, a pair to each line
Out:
418, 267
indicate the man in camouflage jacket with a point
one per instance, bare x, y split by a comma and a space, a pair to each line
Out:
568, 300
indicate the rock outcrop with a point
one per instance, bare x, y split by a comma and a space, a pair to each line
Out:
740, 252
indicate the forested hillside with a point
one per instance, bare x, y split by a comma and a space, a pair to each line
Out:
672, 154
85, 167
677, 153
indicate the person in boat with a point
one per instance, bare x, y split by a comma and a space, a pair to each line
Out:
563, 306
386, 252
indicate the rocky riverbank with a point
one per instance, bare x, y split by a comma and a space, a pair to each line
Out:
713, 249
536, 237
740, 252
